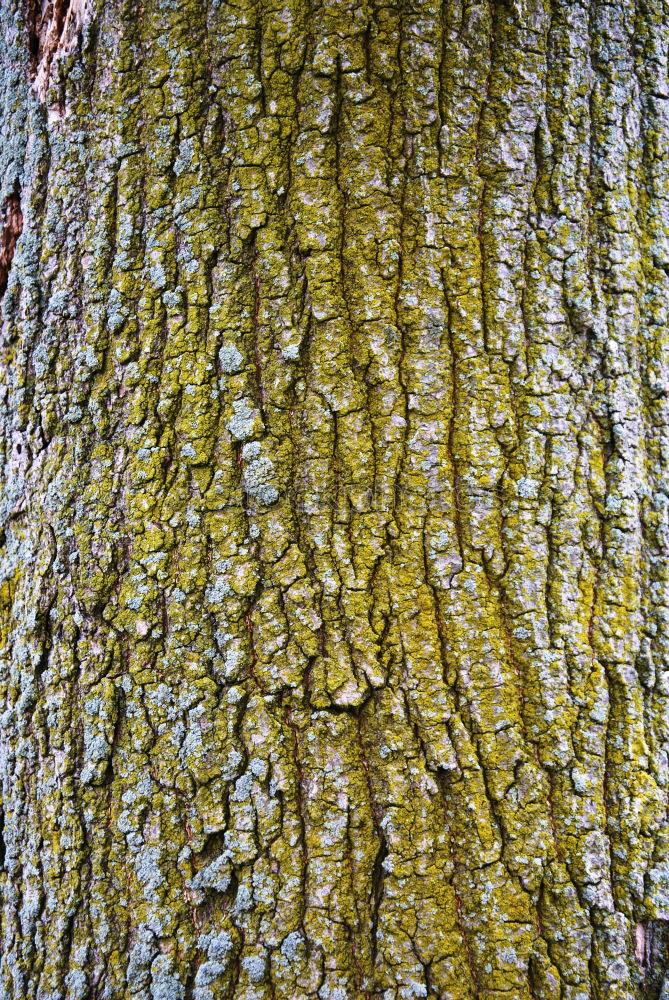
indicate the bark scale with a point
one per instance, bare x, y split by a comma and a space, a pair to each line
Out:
333, 448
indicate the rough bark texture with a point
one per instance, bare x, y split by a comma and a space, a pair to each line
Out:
333, 449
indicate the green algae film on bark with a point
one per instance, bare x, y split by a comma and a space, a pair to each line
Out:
333, 449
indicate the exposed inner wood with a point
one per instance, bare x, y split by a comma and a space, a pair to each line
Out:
12, 224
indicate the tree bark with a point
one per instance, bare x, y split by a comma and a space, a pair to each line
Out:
333, 445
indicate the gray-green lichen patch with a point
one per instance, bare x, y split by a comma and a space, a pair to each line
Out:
258, 474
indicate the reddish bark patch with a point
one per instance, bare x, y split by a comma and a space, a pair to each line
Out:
12, 225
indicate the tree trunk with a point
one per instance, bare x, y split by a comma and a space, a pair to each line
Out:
334, 585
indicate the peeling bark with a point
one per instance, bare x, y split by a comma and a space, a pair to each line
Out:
334, 590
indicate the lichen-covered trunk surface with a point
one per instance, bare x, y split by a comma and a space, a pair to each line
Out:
334, 623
